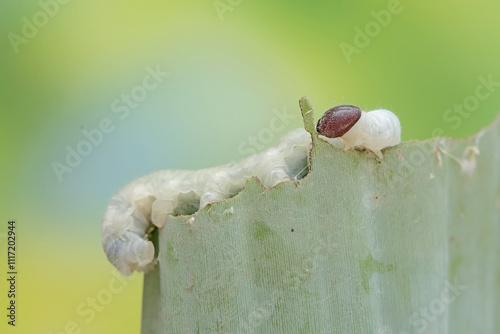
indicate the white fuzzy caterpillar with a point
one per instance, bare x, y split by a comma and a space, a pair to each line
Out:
151, 198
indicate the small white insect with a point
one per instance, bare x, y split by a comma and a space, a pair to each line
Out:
148, 200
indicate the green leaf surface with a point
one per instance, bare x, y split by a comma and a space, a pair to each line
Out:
408, 244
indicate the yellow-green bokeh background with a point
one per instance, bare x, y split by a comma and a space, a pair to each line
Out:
226, 77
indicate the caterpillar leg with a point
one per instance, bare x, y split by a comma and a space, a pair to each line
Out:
379, 154
216, 189
274, 169
276, 175
163, 206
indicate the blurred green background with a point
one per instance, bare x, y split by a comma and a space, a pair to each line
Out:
233, 67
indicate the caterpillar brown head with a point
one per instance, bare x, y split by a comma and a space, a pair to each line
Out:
338, 120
